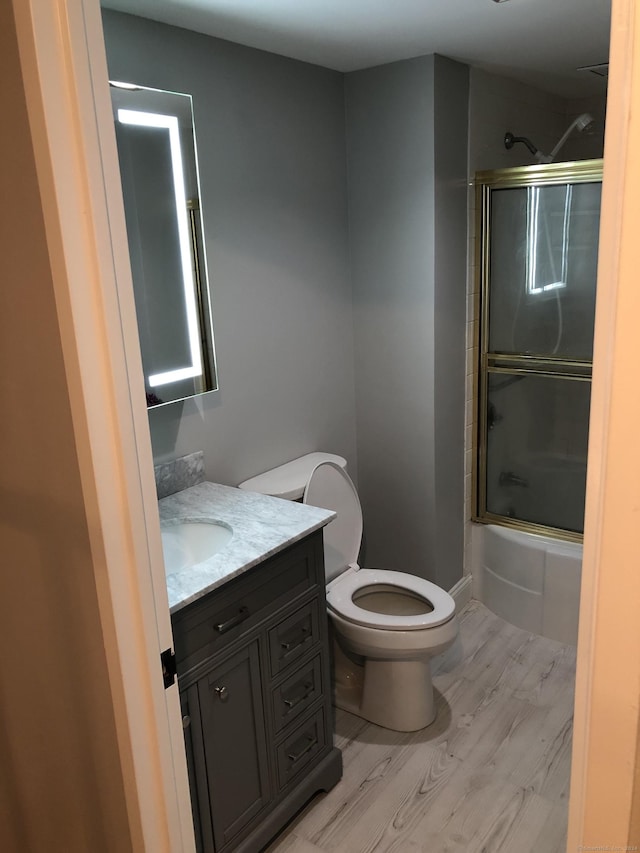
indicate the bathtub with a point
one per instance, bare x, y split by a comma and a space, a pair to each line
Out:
529, 580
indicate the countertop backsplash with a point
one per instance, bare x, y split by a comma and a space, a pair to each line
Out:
179, 474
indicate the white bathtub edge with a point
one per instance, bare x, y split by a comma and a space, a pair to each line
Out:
531, 581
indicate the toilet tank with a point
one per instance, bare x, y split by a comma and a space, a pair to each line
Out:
288, 481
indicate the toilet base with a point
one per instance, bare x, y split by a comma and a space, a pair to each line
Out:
397, 695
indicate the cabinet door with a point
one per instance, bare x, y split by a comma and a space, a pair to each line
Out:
233, 735
191, 769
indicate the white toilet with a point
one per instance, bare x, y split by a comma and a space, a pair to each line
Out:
388, 624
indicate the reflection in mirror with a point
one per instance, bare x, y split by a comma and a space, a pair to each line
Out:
158, 168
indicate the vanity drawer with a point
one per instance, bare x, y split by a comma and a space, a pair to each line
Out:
300, 747
293, 637
296, 694
206, 626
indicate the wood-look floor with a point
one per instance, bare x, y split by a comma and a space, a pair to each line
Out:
491, 775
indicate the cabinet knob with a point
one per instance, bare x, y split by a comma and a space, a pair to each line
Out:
223, 693
186, 721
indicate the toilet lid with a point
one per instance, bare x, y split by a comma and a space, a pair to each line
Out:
340, 599
330, 487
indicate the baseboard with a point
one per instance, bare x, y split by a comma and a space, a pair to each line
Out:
461, 592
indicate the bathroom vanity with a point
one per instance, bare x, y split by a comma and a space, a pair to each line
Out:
252, 656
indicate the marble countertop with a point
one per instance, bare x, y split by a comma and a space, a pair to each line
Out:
261, 525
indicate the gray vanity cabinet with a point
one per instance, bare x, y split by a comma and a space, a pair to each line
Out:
253, 672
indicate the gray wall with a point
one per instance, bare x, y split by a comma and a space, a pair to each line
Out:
303, 330
451, 152
270, 136
407, 161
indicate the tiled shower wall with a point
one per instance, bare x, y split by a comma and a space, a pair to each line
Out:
498, 105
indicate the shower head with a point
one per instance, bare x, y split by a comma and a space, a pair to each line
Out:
581, 123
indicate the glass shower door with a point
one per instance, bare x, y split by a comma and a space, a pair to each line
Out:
539, 263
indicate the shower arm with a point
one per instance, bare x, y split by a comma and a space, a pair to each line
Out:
510, 140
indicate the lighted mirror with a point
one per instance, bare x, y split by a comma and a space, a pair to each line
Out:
159, 173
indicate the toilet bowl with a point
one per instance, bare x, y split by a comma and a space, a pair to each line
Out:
387, 625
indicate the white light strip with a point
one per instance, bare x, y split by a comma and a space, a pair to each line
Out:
565, 233
130, 87
157, 379
533, 201
170, 123
533, 214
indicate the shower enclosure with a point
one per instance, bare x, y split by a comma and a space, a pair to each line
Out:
538, 253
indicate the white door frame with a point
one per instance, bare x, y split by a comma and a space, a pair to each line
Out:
64, 68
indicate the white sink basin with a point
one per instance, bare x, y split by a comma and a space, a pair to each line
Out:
186, 543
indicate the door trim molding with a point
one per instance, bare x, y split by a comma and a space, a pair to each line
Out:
64, 71
605, 740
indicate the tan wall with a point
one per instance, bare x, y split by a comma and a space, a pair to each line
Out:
60, 779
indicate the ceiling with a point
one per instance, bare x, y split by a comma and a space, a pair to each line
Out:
540, 42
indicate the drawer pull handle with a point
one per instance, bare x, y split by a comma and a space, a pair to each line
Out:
299, 641
240, 616
294, 756
223, 693
307, 691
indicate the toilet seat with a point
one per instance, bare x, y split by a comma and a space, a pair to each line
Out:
331, 487
340, 599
